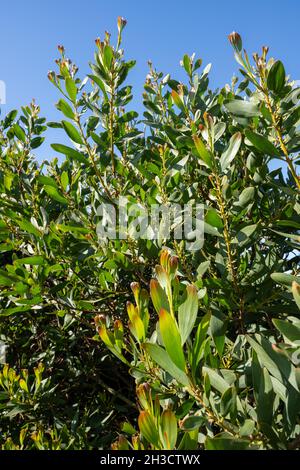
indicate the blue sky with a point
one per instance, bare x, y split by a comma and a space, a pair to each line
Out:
158, 30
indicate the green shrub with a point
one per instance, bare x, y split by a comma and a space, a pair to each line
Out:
213, 354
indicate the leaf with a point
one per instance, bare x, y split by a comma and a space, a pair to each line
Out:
7, 279
246, 196
199, 341
212, 218
202, 268
276, 77
19, 133
100, 84
64, 180
169, 429
31, 260
242, 108
247, 428
65, 108
228, 403
136, 327
189, 441
187, 313
72, 132
262, 143
158, 296
289, 330
229, 154
47, 180
171, 338
219, 130
225, 442
263, 392
209, 229
54, 194
177, 100
161, 357
216, 380
204, 154
218, 329
71, 89
129, 116
191, 423
276, 363
107, 56
244, 235
36, 142
9, 118
148, 427
28, 227
187, 64
284, 279
69, 152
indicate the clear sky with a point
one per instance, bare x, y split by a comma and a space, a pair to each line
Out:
160, 30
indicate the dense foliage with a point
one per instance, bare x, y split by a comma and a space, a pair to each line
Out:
143, 343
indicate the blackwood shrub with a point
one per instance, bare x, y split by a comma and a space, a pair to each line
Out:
196, 344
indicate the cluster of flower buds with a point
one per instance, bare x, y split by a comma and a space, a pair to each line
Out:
138, 314
168, 262
99, 44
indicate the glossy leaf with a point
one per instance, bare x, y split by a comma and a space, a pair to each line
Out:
187, 313
169, 429
171, 338
276, 77
72, 132
262, 143
161, 357
230, 153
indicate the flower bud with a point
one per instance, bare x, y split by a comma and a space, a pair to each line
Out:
143, 392
135, 287
208, 120
61, 49
121, 23
255, 57
107, 37
51, 76
118, 325
99, 43
265, 50
100, 320
164, 259
236, 41
173, 264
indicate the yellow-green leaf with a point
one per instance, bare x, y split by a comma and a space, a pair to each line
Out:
205, 155
169, 429
171, 338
